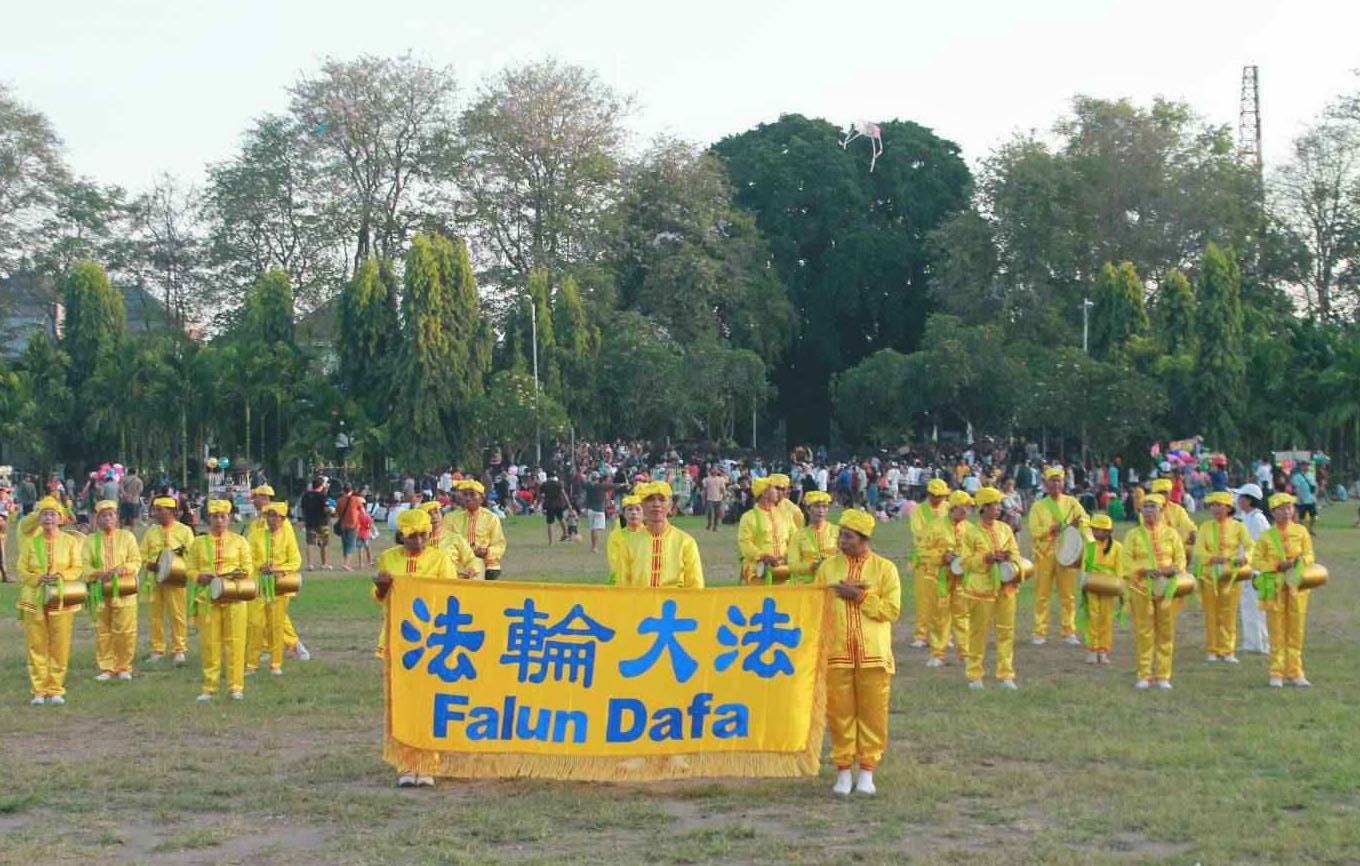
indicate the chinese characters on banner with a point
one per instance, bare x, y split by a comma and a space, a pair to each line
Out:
596, 682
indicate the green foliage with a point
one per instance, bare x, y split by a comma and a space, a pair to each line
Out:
512, 413
369, 333
1118, 313
424, 375
871, 399
94, 318
1220, 366
1176, 313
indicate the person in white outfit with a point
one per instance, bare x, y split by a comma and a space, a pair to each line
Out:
1254, 636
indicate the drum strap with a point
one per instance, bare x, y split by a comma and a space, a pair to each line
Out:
1267, 581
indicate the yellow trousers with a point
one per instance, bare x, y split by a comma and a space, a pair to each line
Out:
222, 627
1286, 618
49, 650
982, 612
290, 635
1100, 619
1220, 615
168, 600
264, 629
1154, 634
947, 610
924, 583
115, 638
857, 714
1047, 571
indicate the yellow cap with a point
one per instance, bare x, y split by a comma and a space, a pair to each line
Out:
987, 496
1156, 499
1161, 485
49, 503
470, 484
960, 498
219, 506
631, 500
103, 504
1054, 472
164, 502
413, 521
760, 485
937, 487
1101, 521
858, 521
263, 490
1219, 497
279, 508
779, 479
817, 497
1278, 499
649, 489
430, 507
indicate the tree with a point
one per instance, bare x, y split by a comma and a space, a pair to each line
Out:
1220, 366
31, 167
95, 319
167, 255
540, 167
512, 414
1118, 313
1176, 313
383, 129
469, 354
577, 354
423, 386
369, 334
272, 365
872, 402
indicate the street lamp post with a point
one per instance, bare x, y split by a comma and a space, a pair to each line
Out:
533, 324
1086, 305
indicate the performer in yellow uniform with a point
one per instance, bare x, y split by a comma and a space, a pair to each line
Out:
614, 547
1047, 518
1103, 555
275, 553
413, 558
659, 555
988, 598
817, 541
763, 533
221, 627
944, 542
165, 533
1153, 556
1174, 515
47, 556
860, 662
1279, 555
108, 554
781, 483
924, 573
263, 496
1220, 548
465, 562
480, 528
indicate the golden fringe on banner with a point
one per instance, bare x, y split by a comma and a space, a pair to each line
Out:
597, 768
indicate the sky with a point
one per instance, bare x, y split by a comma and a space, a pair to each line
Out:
136, 88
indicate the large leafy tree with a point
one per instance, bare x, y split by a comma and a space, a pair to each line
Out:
1118, 313
369, 334
1220, 365
849, 245
423, 380
32, 169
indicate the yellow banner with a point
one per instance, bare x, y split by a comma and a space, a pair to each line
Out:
594, 682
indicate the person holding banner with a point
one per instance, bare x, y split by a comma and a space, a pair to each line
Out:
630, 521
413, 558
106, 555
817, 541
1153, 557
263, 496
763, 533
47, 557
1048, 517
944, 543
660, 555
165, 533
933, 510
1174, 514
1221, 548
480, 528
860, 662
221, 626
274, 550
792, 513
1280, 554
1105, 556
988, 598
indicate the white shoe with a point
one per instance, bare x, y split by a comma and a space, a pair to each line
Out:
1301, 682
1164, 685
935, 662
1039, 641
179, 658
38, 701
275, 672
125, 676
424, 781
1092, 658
104, 676
56, 700
1211, 658
1230, 659
1009, 684
204, 698
302, 653
919, 644
1276, 683
238, 696
155, 657
976, 685
865, 783
1141, 684
406, 780
1104, 658
1072, 640
843, 782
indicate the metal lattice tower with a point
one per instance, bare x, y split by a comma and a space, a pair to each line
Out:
1249, 118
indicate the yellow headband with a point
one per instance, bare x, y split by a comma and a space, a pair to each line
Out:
219, 506
1156, 499
858, 521
1161, 485
1054, 472
413, 521
472, 485
817, 497
164, 502
648, 489
105, 504
279, 508
1219, 497
960, 498
987, 496
263, 490
760, 485
631, 501
779, 479
1101, 521
48, 503
937, 487
1278, 499
429, 507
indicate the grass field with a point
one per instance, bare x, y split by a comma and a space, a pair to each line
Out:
1077, 767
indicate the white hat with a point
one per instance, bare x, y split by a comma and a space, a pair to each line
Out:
1252, 490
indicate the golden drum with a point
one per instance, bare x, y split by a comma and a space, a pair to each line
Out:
1105, 584
122, 585
1313, 576
64, 593
171, 570
224, 590
1185, 585
287, 584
